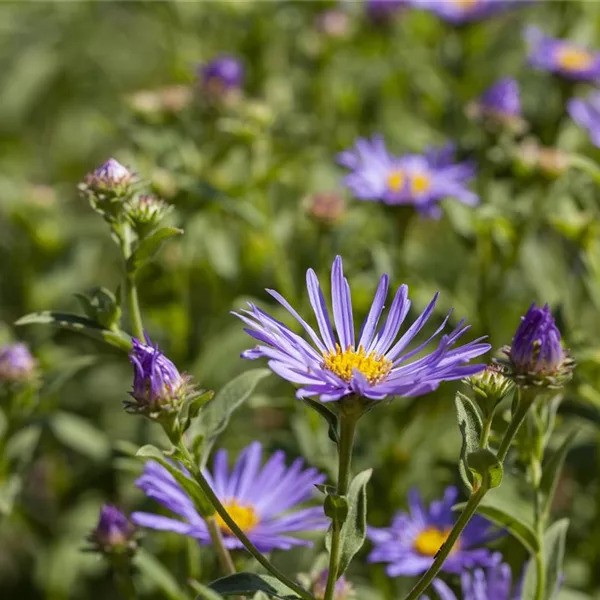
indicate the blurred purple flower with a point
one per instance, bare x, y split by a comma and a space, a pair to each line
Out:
371, 367
586, 113
383, 10
342, 587
114, 532
561, 56
502, 98
16, 363
413, 539
222, 74
156, 381
420, 180
466, 11
263, 502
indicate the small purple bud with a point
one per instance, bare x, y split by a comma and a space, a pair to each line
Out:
112, 174
114, 532
502, 98
342, 587
16, 363
222, 75
536, 348
157, 384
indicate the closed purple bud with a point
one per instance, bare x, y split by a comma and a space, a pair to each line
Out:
157, 384
16, 363
222, 75
114, 532
109, 176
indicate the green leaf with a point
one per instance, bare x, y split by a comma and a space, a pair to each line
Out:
247, 584
554, 552
486, 467
80, 435
551, 472
154, 571
80, 325
471, 429
149, 246
354, 529
328, 415
215, 415
204, 592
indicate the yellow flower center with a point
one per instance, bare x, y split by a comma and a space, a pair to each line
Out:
395, 180
420, 183
574, 59
465, 3
244, 515
373, 366
430, 540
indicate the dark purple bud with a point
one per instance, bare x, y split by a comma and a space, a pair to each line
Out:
16, 363
222, 75
114, 532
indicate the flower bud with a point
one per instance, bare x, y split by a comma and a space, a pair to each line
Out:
499, 106
158, 387
491, 386
536, 356
342, 590
222, 77
17, 364
326, 208
114, 533
145, 213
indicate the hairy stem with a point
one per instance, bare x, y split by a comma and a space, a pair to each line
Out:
347, 432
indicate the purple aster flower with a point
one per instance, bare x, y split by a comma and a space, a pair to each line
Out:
222, 75
410, 544
465, 11
561, 56
372, 365
586, 113
16, 363
380, 11
157, 384
421, 180
114, 532
263, 502
342, 591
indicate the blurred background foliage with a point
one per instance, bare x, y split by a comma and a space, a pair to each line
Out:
242, 179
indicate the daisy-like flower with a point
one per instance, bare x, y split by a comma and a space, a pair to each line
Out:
413, 539
262, 501
421, 180
586, 113
465, 11
373, 364
562, 56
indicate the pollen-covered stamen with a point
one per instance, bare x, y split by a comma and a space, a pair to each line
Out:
574, 59
395, 180
431, 539
244, 516
373, 366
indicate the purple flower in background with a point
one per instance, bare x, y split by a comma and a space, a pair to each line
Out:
221, 75
262, 501
342, 589
502, 98
421, 180
114, 532
493, 583
372, 365
465, 11
383, 10
586, 113
413, 539
156, 381
561, 56
16, 363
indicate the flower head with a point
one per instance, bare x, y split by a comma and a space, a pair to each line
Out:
562, 56
110, 176
536, 355
373, 364
222, 75
413, 539
490, 385
157, 384
492, 583
586, 113
17, 364
114, 532
342, 591
263, 502
420, 180
465, 11
500, 104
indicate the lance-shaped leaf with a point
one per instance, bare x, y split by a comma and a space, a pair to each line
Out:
80, 325
471, 429
149, 246
551, 472
354, 529
247, 584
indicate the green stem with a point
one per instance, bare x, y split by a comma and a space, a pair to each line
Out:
122, 572
232, 525
448, 545
217, 540
485, 434
347, 433
525, 400
133, 303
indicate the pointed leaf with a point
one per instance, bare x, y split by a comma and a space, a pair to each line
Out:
79, 324
81, 435
471, 429
247, 584
204, 592
149, 246
551, 472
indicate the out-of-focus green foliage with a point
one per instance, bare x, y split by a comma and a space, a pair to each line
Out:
241, 179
